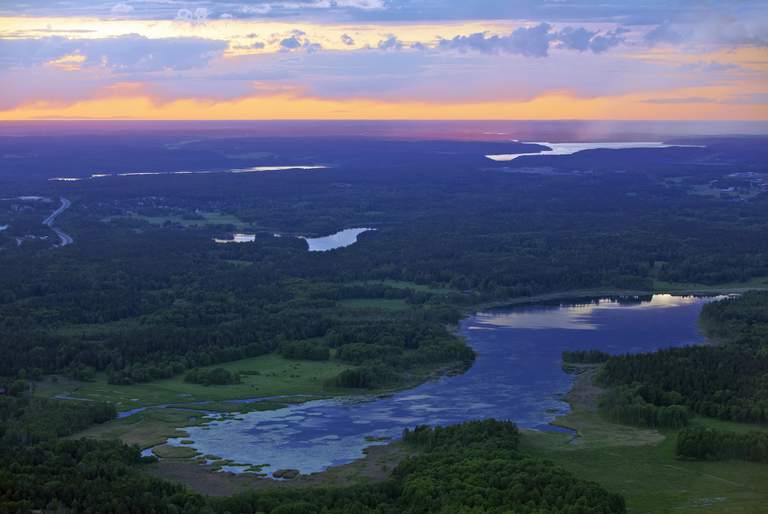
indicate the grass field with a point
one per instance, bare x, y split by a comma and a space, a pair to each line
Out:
267, 375
671, 287
642, 466
148, 428
401, 284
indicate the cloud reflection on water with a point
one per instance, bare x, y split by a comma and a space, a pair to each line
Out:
571, 317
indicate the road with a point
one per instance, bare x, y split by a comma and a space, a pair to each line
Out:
64, 238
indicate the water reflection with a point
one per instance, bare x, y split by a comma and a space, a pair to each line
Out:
573, 317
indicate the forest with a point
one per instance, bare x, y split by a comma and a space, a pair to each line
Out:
145, 294
702, 443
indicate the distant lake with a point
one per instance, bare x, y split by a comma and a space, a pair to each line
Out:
571, 148
238, 238
517, 376
252, 169
340, 239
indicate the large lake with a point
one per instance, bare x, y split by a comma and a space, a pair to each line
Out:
572, 148
517, 376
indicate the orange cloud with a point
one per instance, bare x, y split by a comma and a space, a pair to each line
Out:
71, 62
131, 101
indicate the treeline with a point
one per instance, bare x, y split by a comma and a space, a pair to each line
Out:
27, 420
711, 444
585, 356
355, 291
488, 433
625, 404
724, 381
366, 377
739, 320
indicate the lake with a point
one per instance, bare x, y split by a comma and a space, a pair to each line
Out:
571, 148
237, 238
340, 239
517, 376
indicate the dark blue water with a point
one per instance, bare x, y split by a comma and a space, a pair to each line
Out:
517, 376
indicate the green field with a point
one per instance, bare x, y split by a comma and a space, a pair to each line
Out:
641, 464
671, 287
401, 284
267, 375
145, 429
654, 481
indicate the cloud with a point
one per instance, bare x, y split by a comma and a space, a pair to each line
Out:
745, 99
290, 43
748, 99
128, 53
198, 15
685, 100
347, 40
528, 41
576, 38
605, 41
297, 40
535, 41
661, 34
121, 8
648, 13
390, 43
709, 66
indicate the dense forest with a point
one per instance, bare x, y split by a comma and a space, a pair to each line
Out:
145, 293
702, 443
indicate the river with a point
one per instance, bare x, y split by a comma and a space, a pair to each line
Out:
517, 376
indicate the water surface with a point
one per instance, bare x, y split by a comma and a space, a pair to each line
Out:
517, 376
340, 239
237, 238
571, 148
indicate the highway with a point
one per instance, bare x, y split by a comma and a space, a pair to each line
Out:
64, 238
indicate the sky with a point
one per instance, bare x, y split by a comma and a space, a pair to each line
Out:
384, 59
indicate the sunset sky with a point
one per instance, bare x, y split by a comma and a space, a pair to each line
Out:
384, 59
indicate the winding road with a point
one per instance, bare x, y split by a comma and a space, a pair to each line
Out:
65, 239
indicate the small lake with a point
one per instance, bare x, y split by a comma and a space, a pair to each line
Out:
237, 238
517, 376
340, 239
